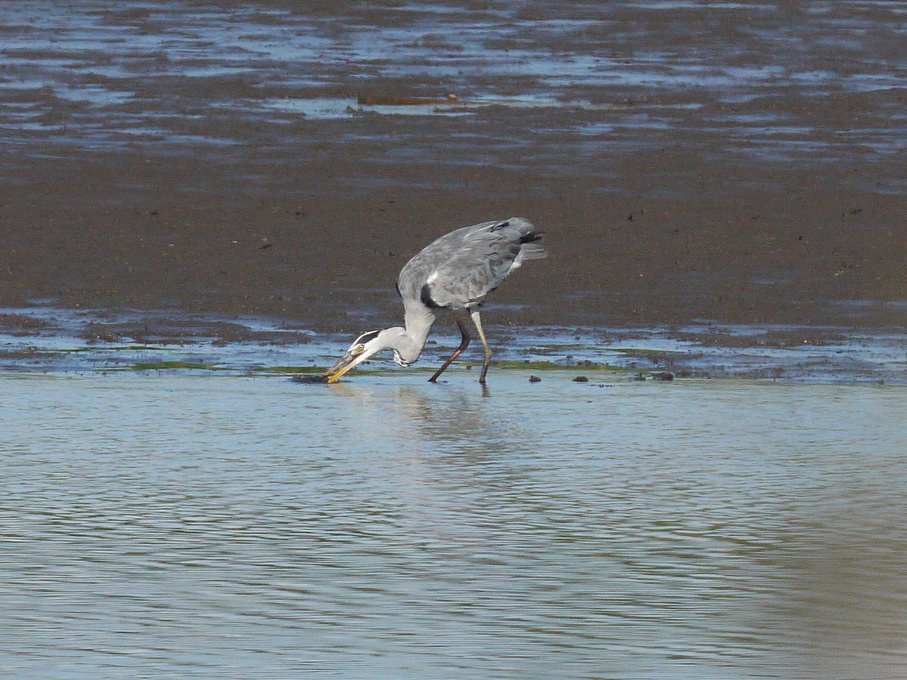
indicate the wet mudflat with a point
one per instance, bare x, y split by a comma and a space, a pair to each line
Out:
217, 526
53, 340
735, 162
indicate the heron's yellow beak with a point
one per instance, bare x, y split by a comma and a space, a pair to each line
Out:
338, 370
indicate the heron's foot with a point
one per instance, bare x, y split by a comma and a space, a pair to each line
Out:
485, 366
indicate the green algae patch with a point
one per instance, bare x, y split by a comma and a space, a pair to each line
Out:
653, 355
173, 366
507, 365
522, 365
290, 370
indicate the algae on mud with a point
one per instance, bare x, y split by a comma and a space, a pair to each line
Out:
55, 340
174, 366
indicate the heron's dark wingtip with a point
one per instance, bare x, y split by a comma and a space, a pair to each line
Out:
534, 236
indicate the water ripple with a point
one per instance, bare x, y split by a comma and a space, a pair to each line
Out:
256, 527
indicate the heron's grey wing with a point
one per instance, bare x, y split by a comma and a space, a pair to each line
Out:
468, 264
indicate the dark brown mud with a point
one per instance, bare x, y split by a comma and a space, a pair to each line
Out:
739, 163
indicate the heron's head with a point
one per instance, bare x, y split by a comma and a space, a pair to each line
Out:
364, 347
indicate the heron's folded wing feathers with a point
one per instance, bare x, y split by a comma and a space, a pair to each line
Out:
479, 266
461, 268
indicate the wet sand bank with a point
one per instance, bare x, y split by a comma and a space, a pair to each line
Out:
738, 164
134, 232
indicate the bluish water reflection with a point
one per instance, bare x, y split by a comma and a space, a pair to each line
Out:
384, 527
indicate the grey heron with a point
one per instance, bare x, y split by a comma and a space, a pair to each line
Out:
453, 274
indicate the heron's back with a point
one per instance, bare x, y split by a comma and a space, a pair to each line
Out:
462, 268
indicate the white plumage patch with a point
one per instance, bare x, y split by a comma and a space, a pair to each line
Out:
399, 359
432, 277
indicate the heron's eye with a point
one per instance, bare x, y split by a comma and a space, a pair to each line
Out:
359, 349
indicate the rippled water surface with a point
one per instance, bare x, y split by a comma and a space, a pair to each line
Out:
160, 525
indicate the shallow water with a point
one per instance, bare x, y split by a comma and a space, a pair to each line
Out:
227, 526
50, 339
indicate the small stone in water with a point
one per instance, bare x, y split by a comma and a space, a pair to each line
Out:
309, 378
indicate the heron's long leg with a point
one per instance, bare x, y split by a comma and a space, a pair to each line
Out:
457, 352
487, 359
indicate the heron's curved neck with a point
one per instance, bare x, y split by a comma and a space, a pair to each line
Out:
411, 340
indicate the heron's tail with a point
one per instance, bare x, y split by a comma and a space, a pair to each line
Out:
533, 251
530, 238
531, 242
